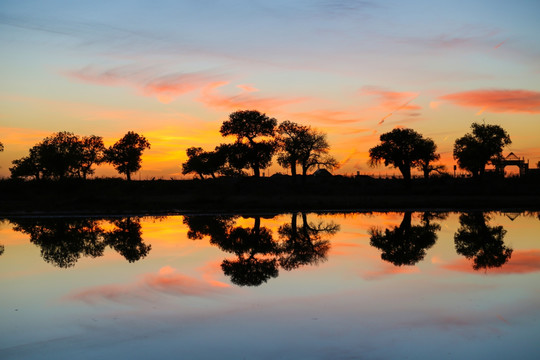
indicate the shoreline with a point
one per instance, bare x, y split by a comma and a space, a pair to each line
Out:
115, 197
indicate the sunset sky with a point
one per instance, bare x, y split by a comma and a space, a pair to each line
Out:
174, 70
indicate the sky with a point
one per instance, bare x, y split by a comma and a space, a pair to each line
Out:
174, 70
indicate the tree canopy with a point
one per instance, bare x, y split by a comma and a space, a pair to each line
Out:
254, 144
125, 154
203, 162
299, 144
404, 149
60, 156
474, 151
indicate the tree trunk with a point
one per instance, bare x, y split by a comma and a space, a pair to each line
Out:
426, 172
406, 172
406, 222
256, 171
293, 168
128, 176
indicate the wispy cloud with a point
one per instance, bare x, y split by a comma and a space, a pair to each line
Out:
498, 101
393, 101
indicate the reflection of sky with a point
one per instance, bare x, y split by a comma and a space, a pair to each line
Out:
176, 302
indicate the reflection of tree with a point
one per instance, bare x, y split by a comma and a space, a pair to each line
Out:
63, 241
258, 255
476, 240
255, 250
216, 227
126, 239
406, 244
304, 245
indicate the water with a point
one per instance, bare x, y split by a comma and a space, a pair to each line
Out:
302, 286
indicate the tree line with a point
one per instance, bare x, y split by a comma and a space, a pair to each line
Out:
257, 139
66, 155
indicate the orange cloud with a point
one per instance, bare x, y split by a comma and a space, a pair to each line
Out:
521, 262
211, 97
498, 101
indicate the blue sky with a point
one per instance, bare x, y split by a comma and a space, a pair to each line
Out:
354, 69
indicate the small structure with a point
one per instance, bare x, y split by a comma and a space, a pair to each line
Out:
511, 160
322, 172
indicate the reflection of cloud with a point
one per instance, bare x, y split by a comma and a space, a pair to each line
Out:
148, 288
522, 262
244, 100
389, 270
211, 271
499, 101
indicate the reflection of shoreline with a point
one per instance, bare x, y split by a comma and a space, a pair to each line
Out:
264, 213
293, 241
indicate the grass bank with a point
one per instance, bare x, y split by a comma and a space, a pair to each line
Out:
275, 194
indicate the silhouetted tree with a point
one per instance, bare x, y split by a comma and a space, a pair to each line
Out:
204, 162
474, 151
249, 126
302, 145
427, 154
405, 244
125, 154
63, 241
59, 156
28, 166
304, 245
403, 149
92, 153
476, 240
127, 240
1, 146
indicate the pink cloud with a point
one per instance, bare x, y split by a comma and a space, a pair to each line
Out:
498, 101
164, 87
211, 97
148, 288
521, 262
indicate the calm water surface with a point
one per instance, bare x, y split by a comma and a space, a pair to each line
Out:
291, 286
